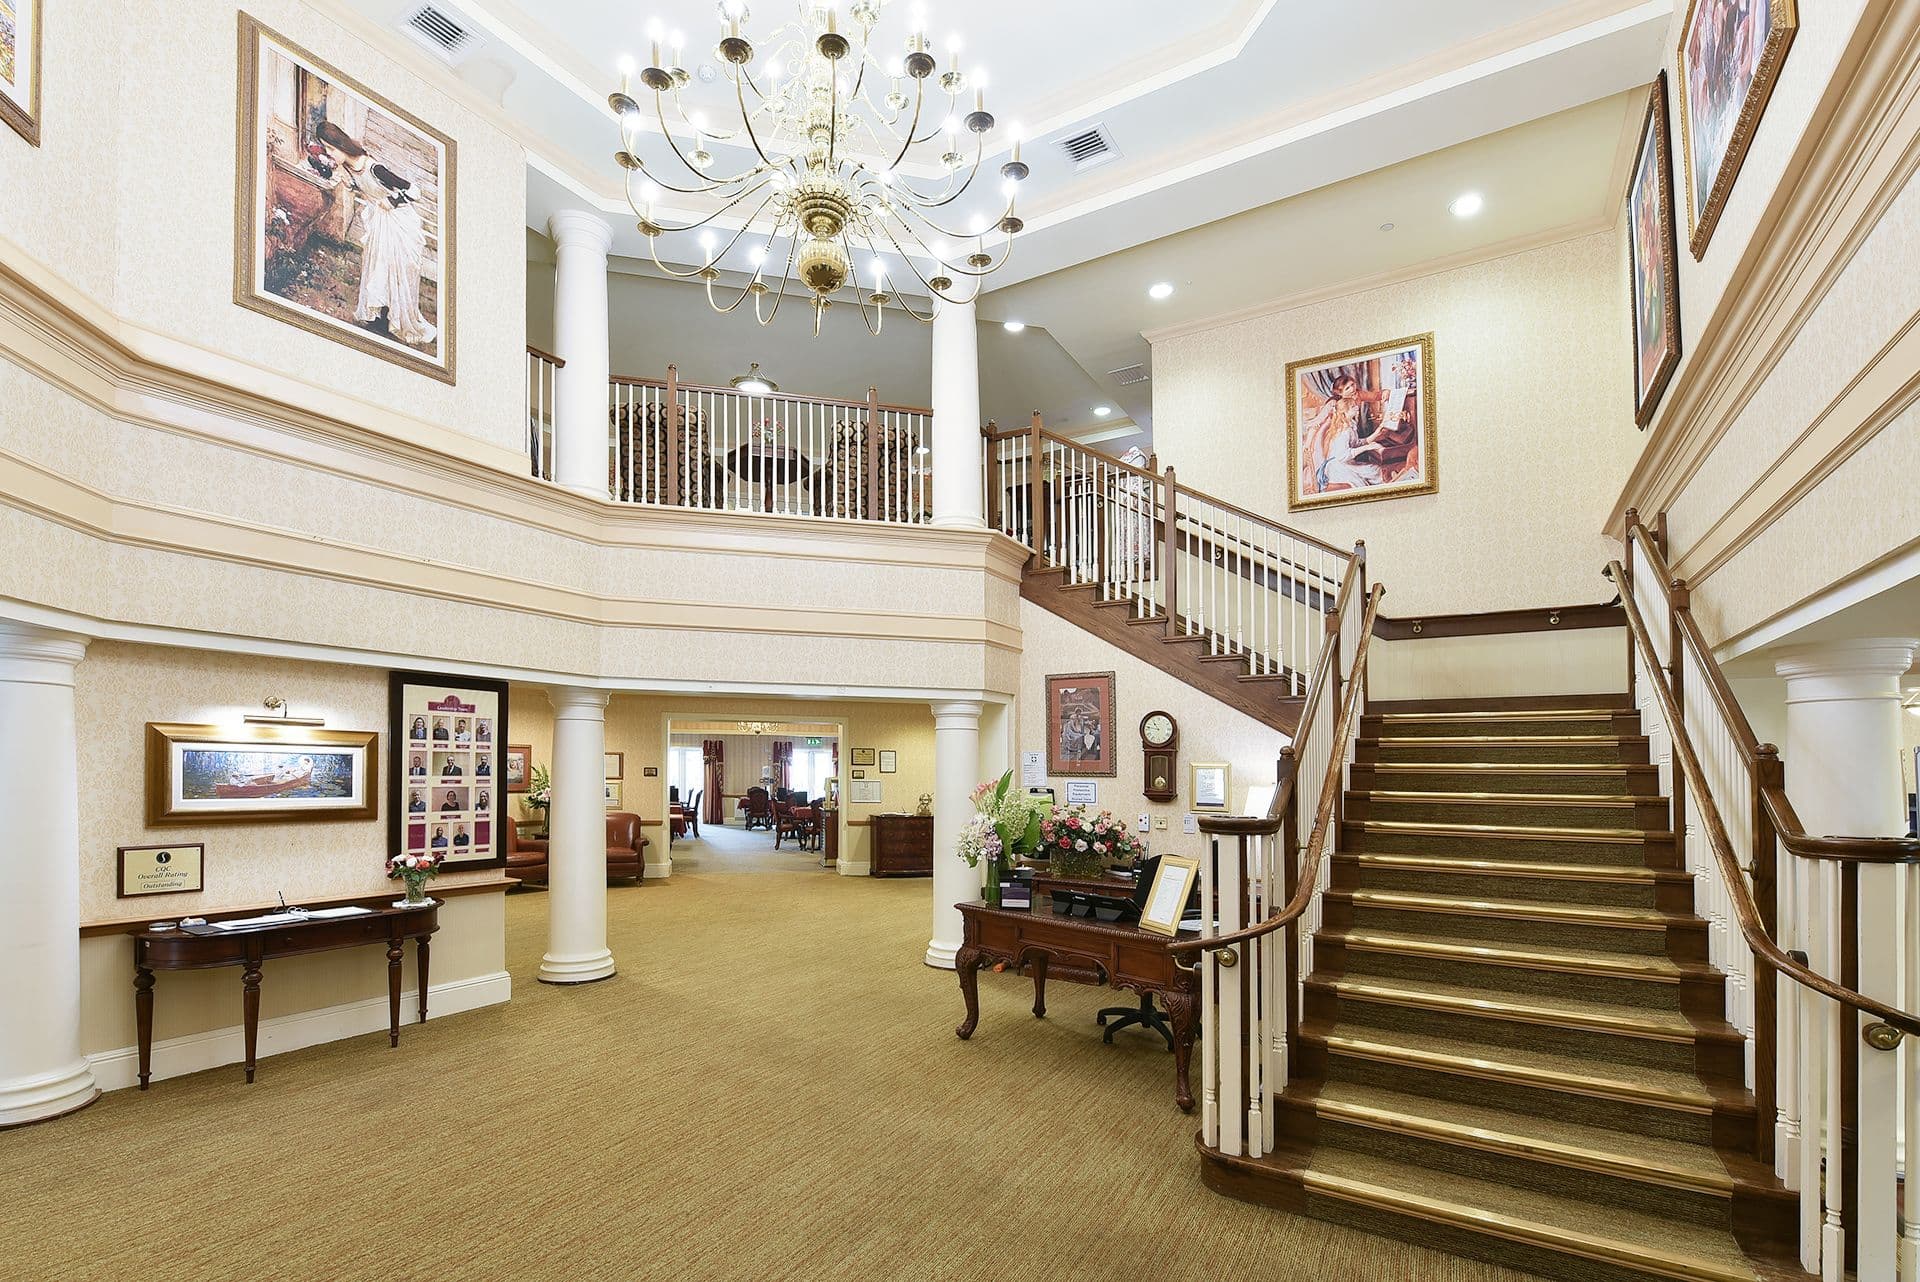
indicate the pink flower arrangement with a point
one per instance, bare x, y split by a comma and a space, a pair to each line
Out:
416, 870
1083, 844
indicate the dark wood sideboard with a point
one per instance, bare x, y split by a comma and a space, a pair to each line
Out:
902, 845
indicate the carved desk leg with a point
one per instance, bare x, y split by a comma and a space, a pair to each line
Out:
1039, 964
396, 949
250, 1004
1180, 1012
420, 955
143, 1016
966, 963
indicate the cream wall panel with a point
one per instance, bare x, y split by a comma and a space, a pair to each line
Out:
1535, 432
154, 242
1584, 661
1209, 730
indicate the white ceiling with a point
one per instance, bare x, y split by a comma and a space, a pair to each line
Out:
1217, 108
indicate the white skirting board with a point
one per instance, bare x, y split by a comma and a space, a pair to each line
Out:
117, 1069
657, 872
851, 868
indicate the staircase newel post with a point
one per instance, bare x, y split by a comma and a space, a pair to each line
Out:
1678, 600
1626, 590
990, 466
1170, 550
1289, 838
673, 441
1763, 864
1036, 489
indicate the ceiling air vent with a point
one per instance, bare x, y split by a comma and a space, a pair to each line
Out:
441, 30
1088, 148
1128, 375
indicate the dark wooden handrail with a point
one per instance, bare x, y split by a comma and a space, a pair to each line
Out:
1309, 874
1786, 820
548, 357
1745, 911
1267, 521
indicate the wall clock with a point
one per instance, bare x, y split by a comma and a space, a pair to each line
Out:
1159, 742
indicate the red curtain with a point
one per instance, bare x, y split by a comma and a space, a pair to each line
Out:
782, 762
714, 755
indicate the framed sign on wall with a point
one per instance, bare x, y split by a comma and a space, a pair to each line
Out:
159, 870
457, 726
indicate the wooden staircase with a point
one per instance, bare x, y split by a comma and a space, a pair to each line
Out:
1510, 1045
1203, 659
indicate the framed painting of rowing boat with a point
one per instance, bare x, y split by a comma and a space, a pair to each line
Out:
227, 774
452, 772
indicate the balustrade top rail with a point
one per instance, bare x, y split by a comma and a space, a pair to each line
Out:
803, 398
1763, 759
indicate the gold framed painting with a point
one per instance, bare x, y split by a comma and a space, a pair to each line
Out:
1654, 268
344, 224
1080, 725
1361, 424
1731, 52
20, 67
226, 774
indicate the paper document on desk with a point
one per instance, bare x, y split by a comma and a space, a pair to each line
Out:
249, 923
350, 910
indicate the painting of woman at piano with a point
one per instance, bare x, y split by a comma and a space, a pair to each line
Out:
1360, 424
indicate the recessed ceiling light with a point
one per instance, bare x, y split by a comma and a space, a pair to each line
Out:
1386, 226
1101, 411
1467, 205
1160, 291
1014, 327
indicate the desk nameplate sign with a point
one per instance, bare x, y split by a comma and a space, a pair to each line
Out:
159, 870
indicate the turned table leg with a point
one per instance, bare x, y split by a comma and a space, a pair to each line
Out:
143, 1017
250, 1005
966, 963
420, 956
1039, 964
1180, 1011
395, 951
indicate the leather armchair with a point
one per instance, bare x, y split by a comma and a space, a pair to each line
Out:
626, 848
526, 856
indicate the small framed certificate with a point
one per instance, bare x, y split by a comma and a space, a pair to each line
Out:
159, 870
1212, 781
1167, 898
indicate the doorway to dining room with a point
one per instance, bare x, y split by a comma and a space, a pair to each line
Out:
754, 794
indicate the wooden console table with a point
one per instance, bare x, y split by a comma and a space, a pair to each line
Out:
1081, 952
176, 949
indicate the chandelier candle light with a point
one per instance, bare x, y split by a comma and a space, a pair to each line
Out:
829, 129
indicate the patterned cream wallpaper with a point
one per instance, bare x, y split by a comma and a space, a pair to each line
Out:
1534, 421
133, 201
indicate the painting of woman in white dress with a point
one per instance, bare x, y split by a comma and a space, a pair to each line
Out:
1360, 424
345, 209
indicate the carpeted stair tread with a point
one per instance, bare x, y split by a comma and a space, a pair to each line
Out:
1558, 957
1526, 909
1514, 832
1578, 1074
1523, 1007
1653, 1158
1632, 874
1658, 1245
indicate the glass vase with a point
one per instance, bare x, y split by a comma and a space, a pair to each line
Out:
991, 891
416, 892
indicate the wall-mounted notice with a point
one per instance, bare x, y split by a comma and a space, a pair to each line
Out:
1033, 770
1083, 792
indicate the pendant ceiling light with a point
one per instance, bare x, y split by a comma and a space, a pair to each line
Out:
846, 156
753, 382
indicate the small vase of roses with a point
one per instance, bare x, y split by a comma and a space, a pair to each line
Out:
1080, 842
416, 870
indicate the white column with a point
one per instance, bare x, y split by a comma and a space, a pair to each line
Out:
1843, 773
956, 769
958, 451
581, 240
577, 951
42, 1072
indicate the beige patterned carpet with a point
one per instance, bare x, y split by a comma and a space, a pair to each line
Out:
770, 1088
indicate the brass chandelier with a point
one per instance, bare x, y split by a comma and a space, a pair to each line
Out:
848, 157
